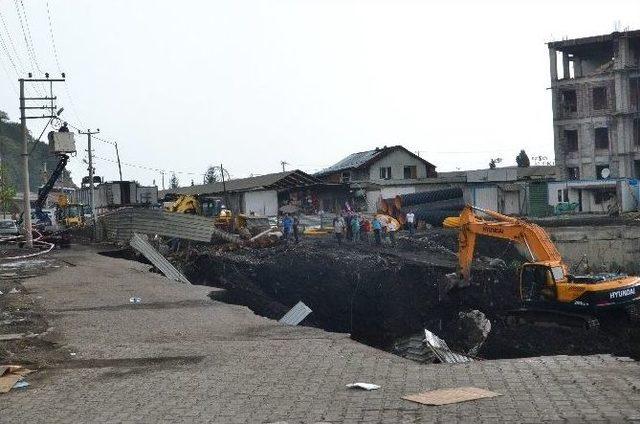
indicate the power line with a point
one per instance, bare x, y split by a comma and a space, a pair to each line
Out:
11, 43
28, 41
53, 40
11, 82
74, 110
148, 168
27, 34
20, 73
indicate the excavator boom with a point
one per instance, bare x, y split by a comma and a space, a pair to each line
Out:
534, 238
545, 281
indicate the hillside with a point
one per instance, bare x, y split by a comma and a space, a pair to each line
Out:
10, 149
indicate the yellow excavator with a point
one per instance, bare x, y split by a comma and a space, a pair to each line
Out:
189, 204
70, 215
185, 203
546, 288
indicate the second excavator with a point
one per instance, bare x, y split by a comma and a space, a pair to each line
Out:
546, 288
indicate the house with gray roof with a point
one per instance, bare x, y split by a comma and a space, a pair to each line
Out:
393, 163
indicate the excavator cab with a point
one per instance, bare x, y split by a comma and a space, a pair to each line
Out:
537, 283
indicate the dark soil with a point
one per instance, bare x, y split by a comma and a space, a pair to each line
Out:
20, 313
380, 294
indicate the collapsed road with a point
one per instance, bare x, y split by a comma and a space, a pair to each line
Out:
380, 295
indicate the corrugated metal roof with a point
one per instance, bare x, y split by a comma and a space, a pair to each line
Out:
268, 181
356, 160
119, 225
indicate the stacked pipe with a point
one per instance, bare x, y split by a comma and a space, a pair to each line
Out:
431, 207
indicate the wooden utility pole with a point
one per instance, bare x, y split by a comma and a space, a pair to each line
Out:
283, 163
89, 133
26, 190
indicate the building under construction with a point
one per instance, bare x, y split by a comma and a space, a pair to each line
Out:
595, 83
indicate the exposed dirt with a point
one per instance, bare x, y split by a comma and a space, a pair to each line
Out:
22, 315
379, 294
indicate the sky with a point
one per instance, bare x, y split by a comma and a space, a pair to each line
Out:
181, 85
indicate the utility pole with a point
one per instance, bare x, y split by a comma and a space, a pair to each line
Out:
283, 163
162, 174
89, 133
26, 190
118, 157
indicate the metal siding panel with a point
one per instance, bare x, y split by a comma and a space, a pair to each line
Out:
296, 314
157, 259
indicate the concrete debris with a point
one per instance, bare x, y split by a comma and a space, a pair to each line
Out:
296, 314
159, 261
363, 386
473, 330
14, 291
448, 396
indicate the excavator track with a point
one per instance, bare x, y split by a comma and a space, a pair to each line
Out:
551, 318
633, 312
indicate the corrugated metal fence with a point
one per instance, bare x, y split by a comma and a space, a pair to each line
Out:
118, 226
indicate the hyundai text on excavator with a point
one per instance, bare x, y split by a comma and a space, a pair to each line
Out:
547, 290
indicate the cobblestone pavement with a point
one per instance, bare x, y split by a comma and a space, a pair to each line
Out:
179, 357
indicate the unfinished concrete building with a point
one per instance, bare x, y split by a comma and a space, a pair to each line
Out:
595, 83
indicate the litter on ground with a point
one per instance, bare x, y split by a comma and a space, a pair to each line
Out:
452, 395
10, 375
363, 386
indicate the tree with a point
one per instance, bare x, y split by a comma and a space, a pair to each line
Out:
173, 182
212, 175
3, 116
494, 162
7, 191
522, 159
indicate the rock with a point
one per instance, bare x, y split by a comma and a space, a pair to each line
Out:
472, 330
497, 262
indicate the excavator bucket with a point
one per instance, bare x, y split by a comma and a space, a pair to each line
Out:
455, 281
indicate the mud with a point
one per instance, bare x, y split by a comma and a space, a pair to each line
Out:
381, 294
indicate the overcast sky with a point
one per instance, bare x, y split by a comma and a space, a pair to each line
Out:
184, 84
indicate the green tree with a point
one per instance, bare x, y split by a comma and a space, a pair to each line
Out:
174, 182
212, 175
522, 159
7, 190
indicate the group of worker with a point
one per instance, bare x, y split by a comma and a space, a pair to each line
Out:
290, 227
352, 226
356, 227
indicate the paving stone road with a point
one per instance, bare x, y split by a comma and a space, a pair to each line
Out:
180, 357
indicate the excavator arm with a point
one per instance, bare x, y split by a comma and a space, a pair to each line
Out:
536, 241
